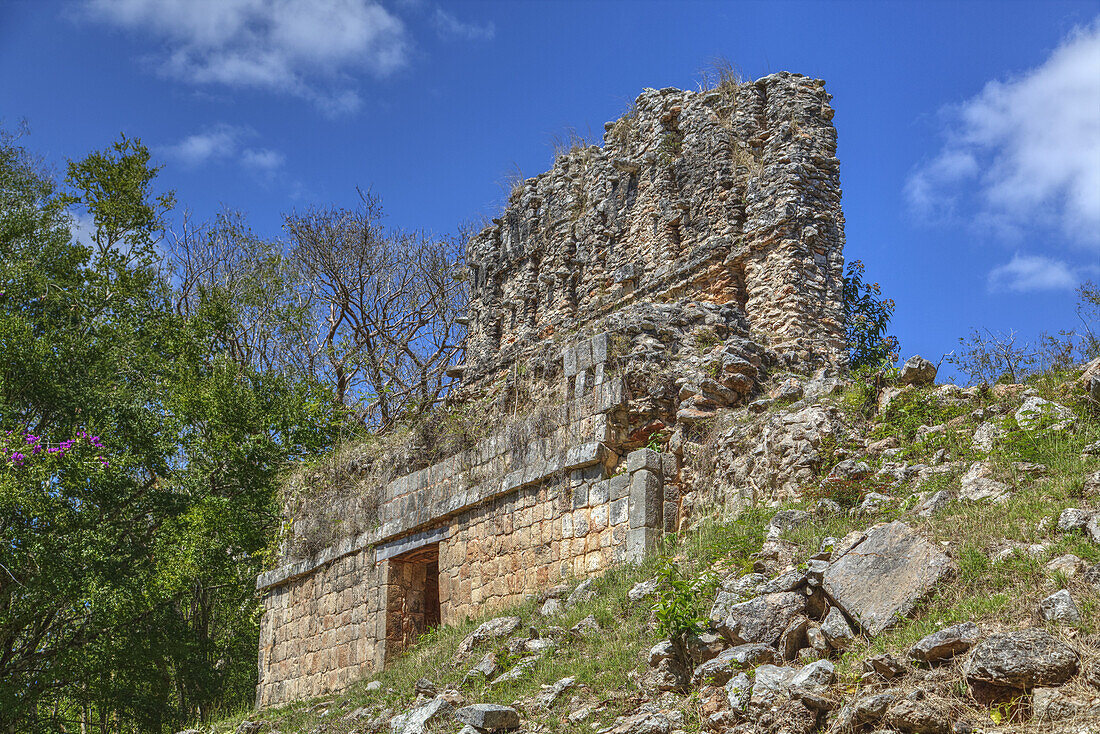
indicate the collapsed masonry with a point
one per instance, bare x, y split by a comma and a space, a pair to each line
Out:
627, 295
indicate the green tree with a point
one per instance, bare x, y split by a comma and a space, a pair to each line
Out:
126, 586
72, 328
867, 316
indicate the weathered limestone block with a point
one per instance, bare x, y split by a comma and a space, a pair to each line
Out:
885, 576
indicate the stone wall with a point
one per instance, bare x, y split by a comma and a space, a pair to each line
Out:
320, 631
631, 292
730, 196
472, 534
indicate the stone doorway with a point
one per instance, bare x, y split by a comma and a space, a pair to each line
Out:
412, 597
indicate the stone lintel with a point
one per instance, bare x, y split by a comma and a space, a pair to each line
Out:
385, 551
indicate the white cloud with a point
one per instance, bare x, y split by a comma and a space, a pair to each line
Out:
307, 48
1025, 152
219, 142
1023, 274
448, 26
263, 159
222, 143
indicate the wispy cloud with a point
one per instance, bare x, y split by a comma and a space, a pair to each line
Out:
224, 143
448, 26
263, 159
1023, 274
218, 142
306, 48
1024, 155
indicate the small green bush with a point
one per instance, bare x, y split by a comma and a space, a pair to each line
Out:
915, 408
681, 602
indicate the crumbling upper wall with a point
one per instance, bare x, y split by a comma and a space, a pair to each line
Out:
730, 196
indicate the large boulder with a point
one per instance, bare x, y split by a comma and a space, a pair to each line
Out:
1019, 661
917, 371
762, 619
1089, 382
883, 578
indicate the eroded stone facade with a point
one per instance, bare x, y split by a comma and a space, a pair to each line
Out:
472, 534
635, 289
730, 196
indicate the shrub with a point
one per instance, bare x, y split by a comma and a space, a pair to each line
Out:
915, 408
867, 318
680, 607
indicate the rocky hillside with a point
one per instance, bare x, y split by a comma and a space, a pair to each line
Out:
894, 556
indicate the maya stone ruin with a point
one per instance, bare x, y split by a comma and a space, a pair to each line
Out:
628, 294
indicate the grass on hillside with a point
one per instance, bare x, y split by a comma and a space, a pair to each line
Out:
609, 665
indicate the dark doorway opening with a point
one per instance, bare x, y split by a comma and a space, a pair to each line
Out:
412, 597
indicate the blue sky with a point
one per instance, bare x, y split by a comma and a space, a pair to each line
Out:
969, 132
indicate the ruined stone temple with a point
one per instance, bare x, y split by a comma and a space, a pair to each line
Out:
618, 302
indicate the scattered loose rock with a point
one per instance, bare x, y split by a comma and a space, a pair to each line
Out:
1069, 565
587, 626
762, 619
493, 629
552, 607
885, 665
985, 437
920, 716
550, 694
1019, 660
739, 692
838, 633
946, 643
644, 723
1054, 706
772, 680
1035, 411
815, 676
488, 716
1073, 518
420, 718
642, 589
1060, 608
978, 485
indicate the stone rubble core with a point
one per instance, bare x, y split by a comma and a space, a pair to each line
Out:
639, 288
730, 196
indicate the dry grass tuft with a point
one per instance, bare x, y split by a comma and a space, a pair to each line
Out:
569, 141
